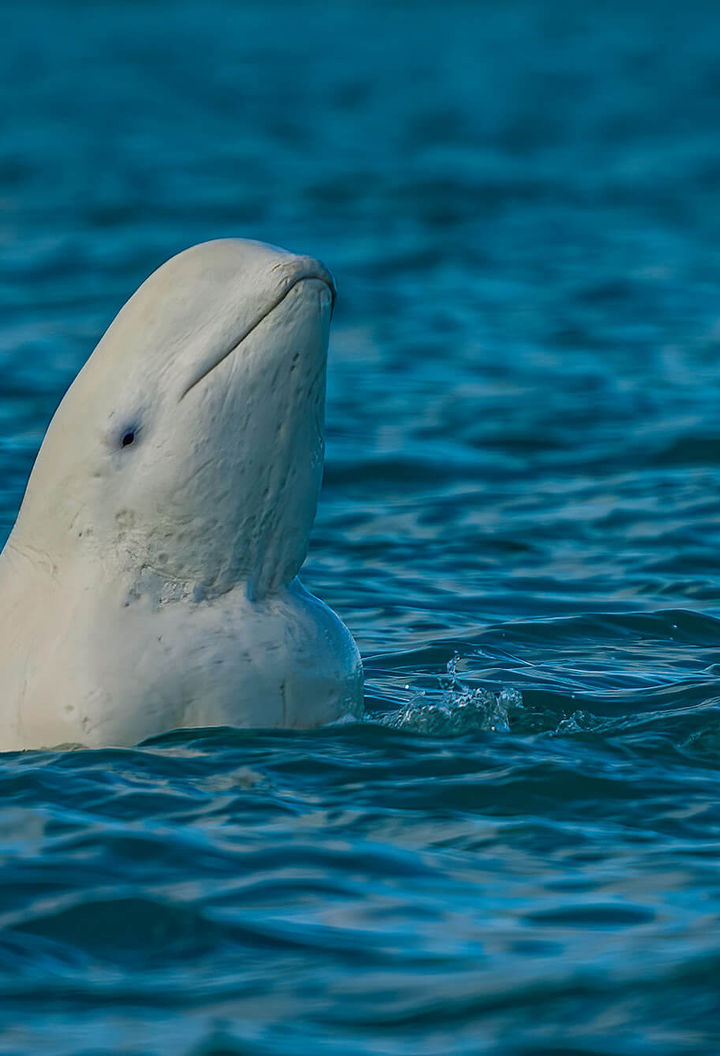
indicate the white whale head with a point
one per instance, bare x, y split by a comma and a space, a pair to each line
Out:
191, 442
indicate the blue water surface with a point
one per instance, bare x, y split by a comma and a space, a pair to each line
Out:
518, 852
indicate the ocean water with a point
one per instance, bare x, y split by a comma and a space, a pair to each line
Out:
517, 851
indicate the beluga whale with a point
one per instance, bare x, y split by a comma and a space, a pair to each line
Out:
151, 579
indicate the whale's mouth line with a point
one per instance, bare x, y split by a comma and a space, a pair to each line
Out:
325, 279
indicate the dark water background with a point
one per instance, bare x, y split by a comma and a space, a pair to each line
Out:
520, 523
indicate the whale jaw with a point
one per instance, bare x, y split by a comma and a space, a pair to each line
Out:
305, 270
242, 503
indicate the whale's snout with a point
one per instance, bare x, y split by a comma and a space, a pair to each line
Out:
276, 274
296, 269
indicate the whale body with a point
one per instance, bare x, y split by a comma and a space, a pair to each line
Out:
150, 580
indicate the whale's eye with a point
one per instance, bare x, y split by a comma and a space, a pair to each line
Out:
128, 438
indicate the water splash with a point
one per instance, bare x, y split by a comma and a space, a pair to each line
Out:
578, 722
461, 708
